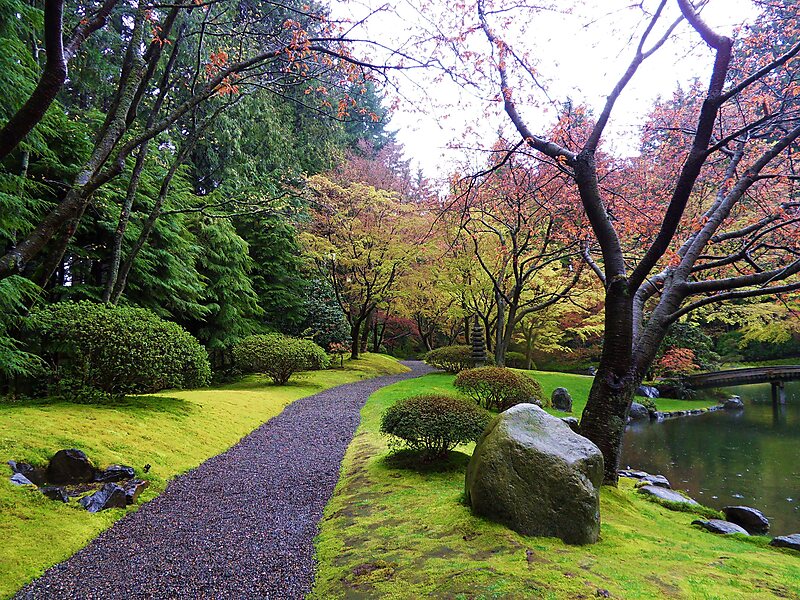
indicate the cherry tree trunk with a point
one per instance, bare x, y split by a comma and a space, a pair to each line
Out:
604, 418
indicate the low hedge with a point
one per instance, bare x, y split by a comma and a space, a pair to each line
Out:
453, 359
499, 388
278, 356
434, 424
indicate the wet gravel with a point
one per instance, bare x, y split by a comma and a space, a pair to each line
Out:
241, 525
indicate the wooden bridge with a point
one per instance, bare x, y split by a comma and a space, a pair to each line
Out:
777, 376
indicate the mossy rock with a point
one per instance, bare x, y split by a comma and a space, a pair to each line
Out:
532, 473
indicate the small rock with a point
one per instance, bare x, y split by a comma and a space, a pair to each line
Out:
34, 474
751, 519
665, 494
110, 495
573, 424
55, 493
733, 403
114, 473
656, 480
133, 488
70, 466
561, 399
720, 526
638, 411
591, 371
787, 541
20, 479
632, 473
647, 391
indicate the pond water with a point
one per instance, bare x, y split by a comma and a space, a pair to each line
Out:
749, 457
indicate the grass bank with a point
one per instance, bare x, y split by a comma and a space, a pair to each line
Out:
174, 431
394, 532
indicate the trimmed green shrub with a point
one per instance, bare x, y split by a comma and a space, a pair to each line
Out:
434, 423
453, 359
278, 356
499, 388
516, 360
98, 351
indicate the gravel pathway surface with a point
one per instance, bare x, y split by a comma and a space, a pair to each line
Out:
241, 525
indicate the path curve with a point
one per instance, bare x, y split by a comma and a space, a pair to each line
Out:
241, 525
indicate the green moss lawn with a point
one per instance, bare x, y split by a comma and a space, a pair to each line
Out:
393, 530
174, 432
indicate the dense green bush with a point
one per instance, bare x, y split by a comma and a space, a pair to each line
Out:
516, 359
499, 388
278, 356
453, 359
434, 423
98, 351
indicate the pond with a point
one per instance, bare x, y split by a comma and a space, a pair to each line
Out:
749, 457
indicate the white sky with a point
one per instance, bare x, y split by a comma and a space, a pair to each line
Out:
582, 63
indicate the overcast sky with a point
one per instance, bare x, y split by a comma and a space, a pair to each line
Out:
578, 61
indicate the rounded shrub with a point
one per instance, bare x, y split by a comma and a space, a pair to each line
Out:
499, 388
453, 359
434, 424
98, 350
516, 359
278, 356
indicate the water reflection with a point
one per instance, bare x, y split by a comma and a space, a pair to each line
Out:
730, 457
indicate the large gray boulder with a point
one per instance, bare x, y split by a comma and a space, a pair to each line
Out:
532, 473
561, 399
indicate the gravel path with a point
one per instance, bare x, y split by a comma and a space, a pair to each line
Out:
241, 525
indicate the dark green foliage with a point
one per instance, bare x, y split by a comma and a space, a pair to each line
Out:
453, 359
278, 356
648, 403
15, 292
325, 322
499, 388
277, 277
96, 350
516, 360
434, 424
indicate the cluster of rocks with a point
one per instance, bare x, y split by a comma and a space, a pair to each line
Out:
738, 519
562, 400
70, 473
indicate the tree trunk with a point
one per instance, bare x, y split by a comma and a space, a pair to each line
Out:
355, 346
499, 349
604, 418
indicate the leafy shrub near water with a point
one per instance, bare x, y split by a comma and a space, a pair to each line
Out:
453, 359
499, 388
278, 356
434, 423
97, 351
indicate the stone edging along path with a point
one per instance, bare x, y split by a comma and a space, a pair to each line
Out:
241, 525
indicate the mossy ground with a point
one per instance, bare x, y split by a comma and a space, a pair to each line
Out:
173, 431
395, 529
